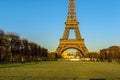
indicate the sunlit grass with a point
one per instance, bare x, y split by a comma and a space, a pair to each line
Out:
60, 71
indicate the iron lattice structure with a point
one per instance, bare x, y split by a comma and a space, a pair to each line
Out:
71, 23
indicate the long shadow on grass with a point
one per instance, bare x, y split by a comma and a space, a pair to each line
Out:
15, 65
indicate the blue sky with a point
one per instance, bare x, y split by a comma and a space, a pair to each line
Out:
42, 21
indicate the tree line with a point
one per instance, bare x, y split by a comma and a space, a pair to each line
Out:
109, 54
15, 49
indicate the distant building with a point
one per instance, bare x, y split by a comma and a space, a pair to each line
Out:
68, 56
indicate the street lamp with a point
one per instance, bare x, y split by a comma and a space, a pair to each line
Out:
1, 37
21, 51
0, 52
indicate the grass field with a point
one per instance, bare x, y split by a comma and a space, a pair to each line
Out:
60, 71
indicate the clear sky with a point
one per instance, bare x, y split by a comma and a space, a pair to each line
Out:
42, 21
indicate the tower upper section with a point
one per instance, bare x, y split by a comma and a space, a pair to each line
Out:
71, 18
72, 10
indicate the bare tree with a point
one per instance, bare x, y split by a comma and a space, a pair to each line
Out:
93, 56
13, 45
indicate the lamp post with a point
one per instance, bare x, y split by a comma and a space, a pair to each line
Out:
21, 52
0, 53
1, 37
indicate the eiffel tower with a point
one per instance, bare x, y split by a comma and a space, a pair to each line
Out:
71, 24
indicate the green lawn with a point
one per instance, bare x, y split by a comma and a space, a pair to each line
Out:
60, 71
